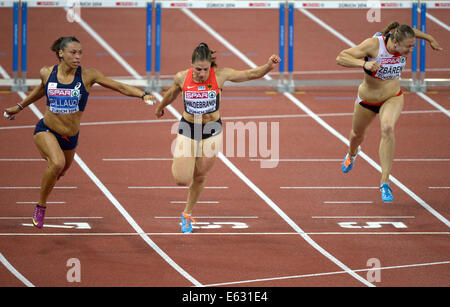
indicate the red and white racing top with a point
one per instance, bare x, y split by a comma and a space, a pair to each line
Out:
201, 98
392, 64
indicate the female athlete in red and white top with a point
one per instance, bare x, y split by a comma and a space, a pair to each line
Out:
383, 58
199, 135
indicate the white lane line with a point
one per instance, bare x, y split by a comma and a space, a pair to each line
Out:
340, 160
135, 159
22, 160
422, 160
248, 117
209, 217
173, 187
326, 274
327, 27
33, 188
51, 217
297, 160
363, 217
198, 202
35, 202
439, 188
434, 104
348, 202
437, 21
13, 270
118, 234
328, 188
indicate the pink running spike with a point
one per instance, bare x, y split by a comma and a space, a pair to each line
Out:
38, 216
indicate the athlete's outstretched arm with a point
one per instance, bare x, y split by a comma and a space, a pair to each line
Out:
37, 93
433, 42
97, 77
171, 93
250, 74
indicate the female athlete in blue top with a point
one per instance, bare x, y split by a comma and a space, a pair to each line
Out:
66, 87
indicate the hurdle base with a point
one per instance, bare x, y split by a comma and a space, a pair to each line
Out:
290, 88
422, 87
414, 86
19, 86
150, 85
281, 86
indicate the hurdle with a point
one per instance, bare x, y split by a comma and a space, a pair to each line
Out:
153, 82
423, 28
419, 84
285, 81
286, 85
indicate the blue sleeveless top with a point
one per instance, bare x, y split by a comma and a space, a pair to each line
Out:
66, 98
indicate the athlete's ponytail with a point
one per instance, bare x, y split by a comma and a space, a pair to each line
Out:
399, 32
203, 53
390, 27
61, 43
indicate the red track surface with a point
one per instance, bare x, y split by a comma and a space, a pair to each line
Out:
269, 248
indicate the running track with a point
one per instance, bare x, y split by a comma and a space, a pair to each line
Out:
299, 224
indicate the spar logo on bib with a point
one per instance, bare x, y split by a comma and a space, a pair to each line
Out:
391, 61
60, 92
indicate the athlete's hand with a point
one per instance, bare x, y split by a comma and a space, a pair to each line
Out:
372, 66
10, 113
274, 59
159, 113
149, 99
435, 45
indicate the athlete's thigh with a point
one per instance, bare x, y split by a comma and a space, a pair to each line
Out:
49, 147
212, 146
210, 149
362, 118
69, 156
390, 110
184, 153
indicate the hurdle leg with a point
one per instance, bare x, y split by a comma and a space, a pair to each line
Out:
413, 85
281, 87
157, 84
15, 86
291, 85
423, 22
148, 53
23, 82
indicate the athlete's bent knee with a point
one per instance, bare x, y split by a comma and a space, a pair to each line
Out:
387, 131
200, 179
56, 166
